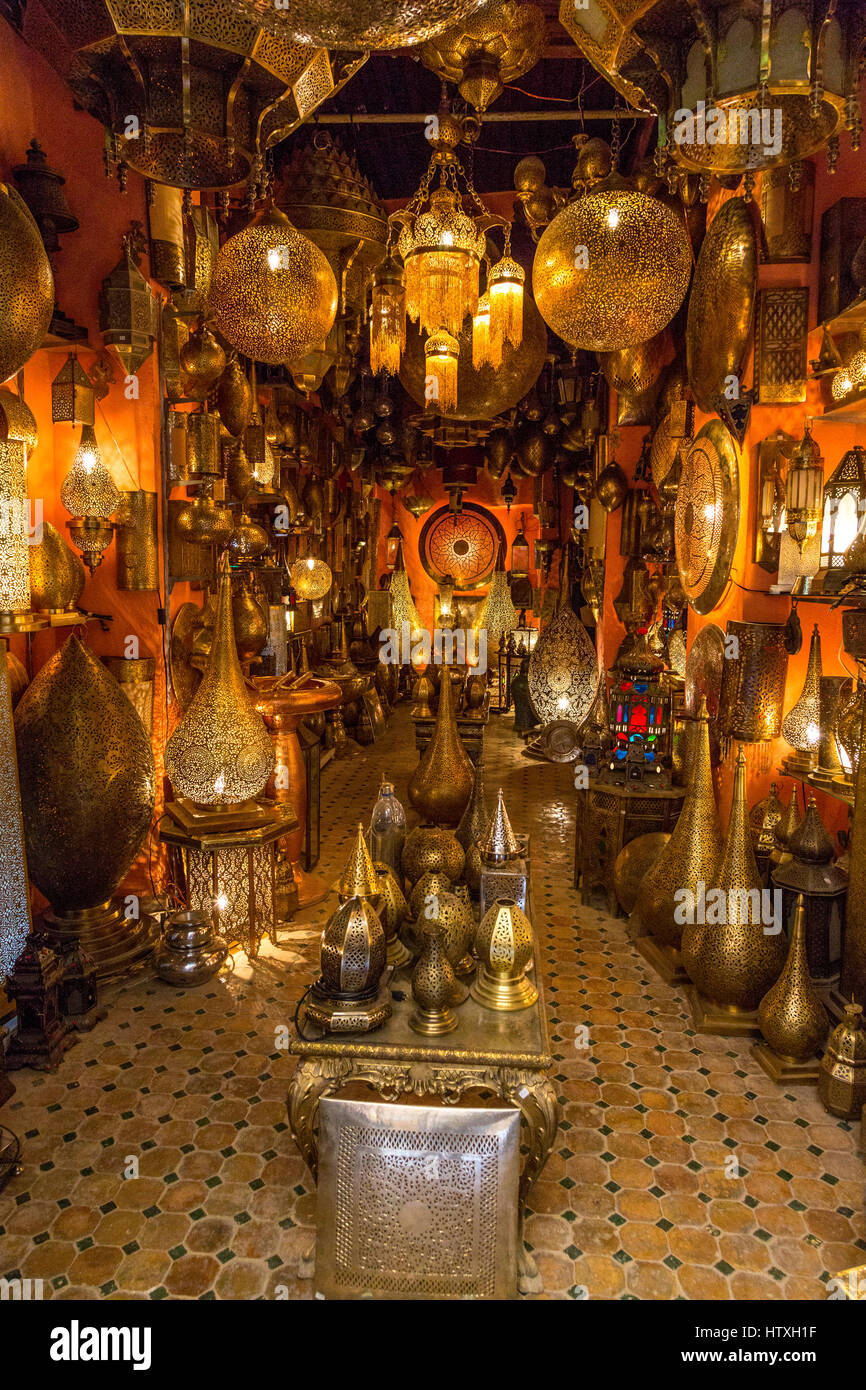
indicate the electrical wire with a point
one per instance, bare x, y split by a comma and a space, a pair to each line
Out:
297, 1019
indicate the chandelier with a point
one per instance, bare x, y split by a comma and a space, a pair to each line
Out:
493, 47
737, 87
442, 242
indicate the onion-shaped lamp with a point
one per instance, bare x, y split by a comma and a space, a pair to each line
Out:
346, 997
273, 295
89, 495
503, 945
801, 726
221, 752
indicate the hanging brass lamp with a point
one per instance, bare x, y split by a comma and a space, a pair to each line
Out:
496, 45
190, 94
273, 294
220, 753
26, 284
613, 266
563, 669
691, 856
736, 87
365, 24
89, 494
732, 956
387, 317
441, 784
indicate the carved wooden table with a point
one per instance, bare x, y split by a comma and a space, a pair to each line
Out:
507, 1054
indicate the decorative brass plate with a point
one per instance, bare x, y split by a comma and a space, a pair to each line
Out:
463, 544
707, 515
705, 667
721, 303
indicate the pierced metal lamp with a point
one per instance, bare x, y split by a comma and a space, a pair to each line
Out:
801, 726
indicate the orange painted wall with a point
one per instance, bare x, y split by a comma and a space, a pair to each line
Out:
741, 601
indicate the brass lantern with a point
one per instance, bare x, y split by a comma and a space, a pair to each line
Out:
804, 489
737, 87
191, 94
128, 309
844, 507
363, 23
73, 395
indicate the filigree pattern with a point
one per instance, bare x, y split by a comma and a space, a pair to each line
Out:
461, 544
563, 670
706, 516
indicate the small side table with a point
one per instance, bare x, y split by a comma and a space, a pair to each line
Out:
608, 817
507, 1054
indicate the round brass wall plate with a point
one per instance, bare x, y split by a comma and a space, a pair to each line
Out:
722, 304
706, 516
462, 544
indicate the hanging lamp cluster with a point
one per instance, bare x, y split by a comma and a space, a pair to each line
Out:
441, 240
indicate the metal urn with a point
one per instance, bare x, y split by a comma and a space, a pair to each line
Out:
191, 952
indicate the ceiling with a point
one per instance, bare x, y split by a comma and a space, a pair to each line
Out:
394, 157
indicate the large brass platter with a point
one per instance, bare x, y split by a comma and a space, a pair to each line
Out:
707, 515
705, 667
722, 304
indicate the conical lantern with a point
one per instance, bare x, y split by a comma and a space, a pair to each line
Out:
499, 844
732, 954
785, 827
88, 787
691, 856
476, 818
358, 879
220, 752
801, 726
403, 608
791, 1017
441, 784
504, 944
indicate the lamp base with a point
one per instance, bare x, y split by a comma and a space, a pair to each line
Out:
798, 764
217, 819
12, 623
433, 1022
502, 993
665, 960
116, 944
348, 1015
726, 1021
785, 1069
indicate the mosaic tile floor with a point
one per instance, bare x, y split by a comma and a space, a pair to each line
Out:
638, 1200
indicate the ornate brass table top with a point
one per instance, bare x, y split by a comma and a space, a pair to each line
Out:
483, 1037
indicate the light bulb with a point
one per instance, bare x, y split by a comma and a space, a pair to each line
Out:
613, 218
221, 902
